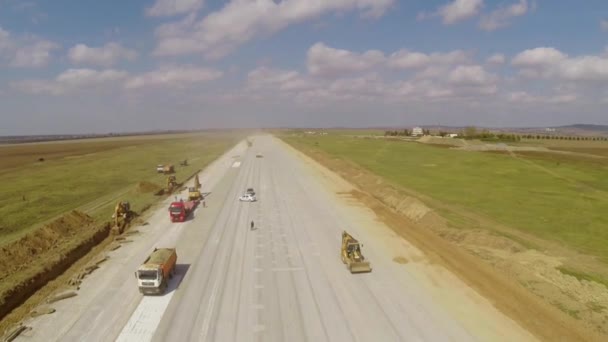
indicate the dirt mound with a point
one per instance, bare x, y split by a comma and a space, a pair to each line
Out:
40, 256
147, 187
20, 253
414, 209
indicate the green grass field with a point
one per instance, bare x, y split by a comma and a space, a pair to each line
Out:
92, 175
556, 197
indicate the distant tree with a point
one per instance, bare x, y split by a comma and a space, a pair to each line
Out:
470, 132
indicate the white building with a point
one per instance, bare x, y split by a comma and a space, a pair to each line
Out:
416, 131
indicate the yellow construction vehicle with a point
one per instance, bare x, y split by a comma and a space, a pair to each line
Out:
194, 194
197, 183
351, 255
171, 183
122, 216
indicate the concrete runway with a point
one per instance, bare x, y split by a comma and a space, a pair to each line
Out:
283, 281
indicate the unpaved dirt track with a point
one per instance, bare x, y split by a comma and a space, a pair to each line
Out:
283, 281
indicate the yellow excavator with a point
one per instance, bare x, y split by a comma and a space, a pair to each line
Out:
351, 255
171, 183
197, 182
122, 216
194, 192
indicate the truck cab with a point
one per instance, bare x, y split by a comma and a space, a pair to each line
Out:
154, 273
177, 211
149, 278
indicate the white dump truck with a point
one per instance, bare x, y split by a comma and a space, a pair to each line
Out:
154, 274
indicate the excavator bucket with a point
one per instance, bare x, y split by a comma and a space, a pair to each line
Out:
359, 267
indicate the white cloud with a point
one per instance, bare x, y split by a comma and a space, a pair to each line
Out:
106, 55
264, 77
523, 97
470, 75
538, 57
70, 80
459, 10
404, 59
496, 59
33, 55
501, 16
327, 61
4, 39
604, 25
163, 8
173, 76
552, 63
25, 51
220, 32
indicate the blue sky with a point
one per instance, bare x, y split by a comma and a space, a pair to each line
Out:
107, 66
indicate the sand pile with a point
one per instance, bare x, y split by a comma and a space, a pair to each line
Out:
147, 187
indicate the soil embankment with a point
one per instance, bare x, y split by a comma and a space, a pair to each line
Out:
29, 263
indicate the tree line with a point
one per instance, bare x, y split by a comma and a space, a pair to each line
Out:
472, 132
404, 133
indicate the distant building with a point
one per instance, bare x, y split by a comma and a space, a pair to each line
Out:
452, 135
416, 131
550, 129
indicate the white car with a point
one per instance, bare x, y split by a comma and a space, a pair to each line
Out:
247, 198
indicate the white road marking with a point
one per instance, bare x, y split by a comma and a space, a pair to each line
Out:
287, 269
236, 164
145, 318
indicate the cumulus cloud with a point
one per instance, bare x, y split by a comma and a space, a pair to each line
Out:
523, 97
546, 62
220, 32
164, 8
25, 51
501, 17
457, 10
496, 59
4, 39
70, 80
264, 77
404, 59
339, 75
470, 75
328, 61
173, 76
106, 55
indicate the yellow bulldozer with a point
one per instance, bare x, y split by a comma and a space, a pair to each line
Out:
122, 216
351, 255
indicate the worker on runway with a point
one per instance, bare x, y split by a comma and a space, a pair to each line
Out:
252, 225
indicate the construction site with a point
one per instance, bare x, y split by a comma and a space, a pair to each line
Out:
274, 248
298, 170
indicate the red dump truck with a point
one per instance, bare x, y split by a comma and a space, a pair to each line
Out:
153, 275
179, 211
